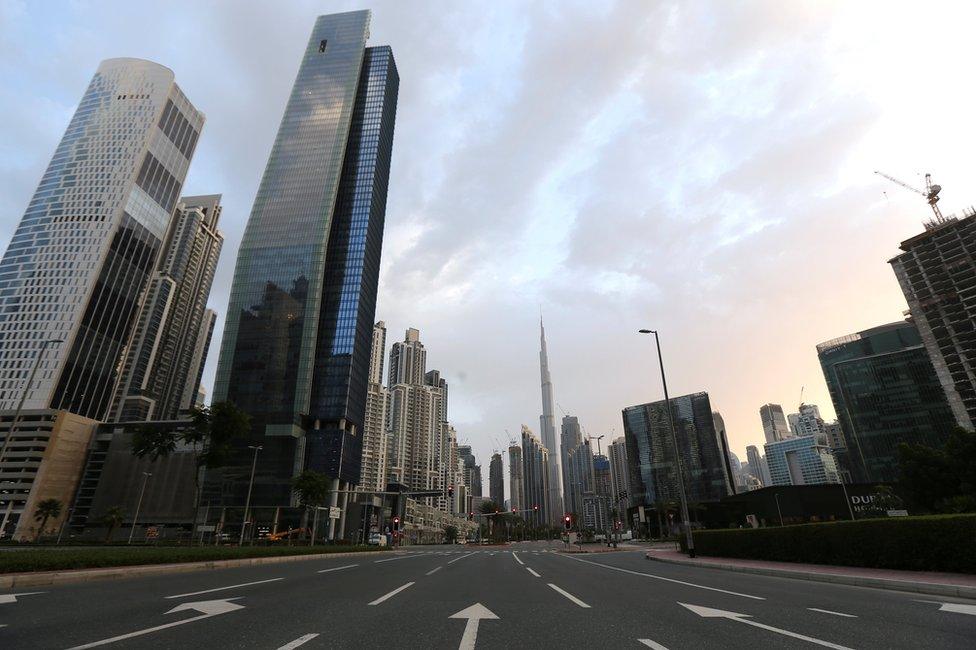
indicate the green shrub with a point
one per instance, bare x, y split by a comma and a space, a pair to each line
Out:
88, 558
934, 543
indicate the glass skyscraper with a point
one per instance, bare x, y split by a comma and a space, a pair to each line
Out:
885, 391
296, 347
650, 452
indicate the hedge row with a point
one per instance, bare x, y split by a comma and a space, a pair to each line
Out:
54, 559
935, 543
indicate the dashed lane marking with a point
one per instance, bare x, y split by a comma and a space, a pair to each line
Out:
534, 573
207, 591
391, 594
299, 641
569, 596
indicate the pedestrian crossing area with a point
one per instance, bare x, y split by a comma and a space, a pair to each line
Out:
484, 551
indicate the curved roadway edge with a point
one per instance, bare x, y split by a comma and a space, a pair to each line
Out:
930, 588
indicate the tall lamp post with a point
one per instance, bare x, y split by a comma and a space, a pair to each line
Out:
250, 485
142, 492
674, 442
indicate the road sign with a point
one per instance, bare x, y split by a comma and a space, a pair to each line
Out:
206, 528
152, 532
335, 512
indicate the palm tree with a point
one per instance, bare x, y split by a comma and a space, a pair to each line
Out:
45, 510
112, 518
311, 488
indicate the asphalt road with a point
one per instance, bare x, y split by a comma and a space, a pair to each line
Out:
425, 597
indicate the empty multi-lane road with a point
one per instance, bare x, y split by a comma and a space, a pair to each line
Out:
525, 595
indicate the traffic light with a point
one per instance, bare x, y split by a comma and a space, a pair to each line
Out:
567, 522
470, 516
450, 490
514, 510
396, 523
536, 508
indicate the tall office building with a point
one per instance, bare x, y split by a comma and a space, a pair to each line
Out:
757, 466
807, 421
515, 482
723, 444
937, 275
472, 470
535, 473
376, 437
297, 342
496, 479
885, 391
579, 474
570, 436
161, 360
619, 474
774, 423
89, 240
654, 478
547, 429
195, 394
801, 460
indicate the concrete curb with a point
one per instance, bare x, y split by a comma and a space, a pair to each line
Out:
929, 588
45, 578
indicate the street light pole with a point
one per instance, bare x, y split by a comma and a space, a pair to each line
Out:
145, 479
674, 442
250, 485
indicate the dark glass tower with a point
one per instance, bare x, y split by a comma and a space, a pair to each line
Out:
885, 391
295, 352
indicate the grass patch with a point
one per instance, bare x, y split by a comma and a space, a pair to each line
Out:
61, 559
933, 543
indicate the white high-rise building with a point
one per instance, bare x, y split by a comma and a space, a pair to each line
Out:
619, 476
375, 433
807, 422
547, 430
89, 240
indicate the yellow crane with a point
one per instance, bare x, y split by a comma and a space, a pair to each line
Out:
931, 192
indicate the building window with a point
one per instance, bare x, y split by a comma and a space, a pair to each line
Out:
322, 45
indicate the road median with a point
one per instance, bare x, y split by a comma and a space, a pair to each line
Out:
29, 568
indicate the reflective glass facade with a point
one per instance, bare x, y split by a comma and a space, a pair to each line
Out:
650, 452
296, 346
885, 391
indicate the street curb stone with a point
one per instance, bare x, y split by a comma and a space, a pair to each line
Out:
44, 578
929, 588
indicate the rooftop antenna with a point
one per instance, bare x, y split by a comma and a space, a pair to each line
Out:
931, 193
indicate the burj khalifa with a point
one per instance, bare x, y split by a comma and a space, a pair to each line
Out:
547, 427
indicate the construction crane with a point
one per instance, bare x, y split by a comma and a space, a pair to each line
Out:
802, 388
931, 192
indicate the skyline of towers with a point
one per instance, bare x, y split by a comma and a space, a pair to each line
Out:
298, 336
547, 430
89, 240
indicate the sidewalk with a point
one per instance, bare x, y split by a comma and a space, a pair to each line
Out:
922, 582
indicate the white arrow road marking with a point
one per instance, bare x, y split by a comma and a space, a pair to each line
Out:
299, 641
460, 558
474, 615
533, 572
956, 608
708, 612
391, 594
827, 611
434, 570
517, 558
651, 644
12, 598
656, 577
207, 607
207, 591
338, 568
569, 596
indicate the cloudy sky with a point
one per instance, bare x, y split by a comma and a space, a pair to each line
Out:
702, 168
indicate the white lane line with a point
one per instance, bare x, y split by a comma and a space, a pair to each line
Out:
459, 558
207, 591
827, 611
569, 596
391, 594
656, 577
652, 644
338, 568
517, 558
394, 559
299, 641
533, 573
434, 570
